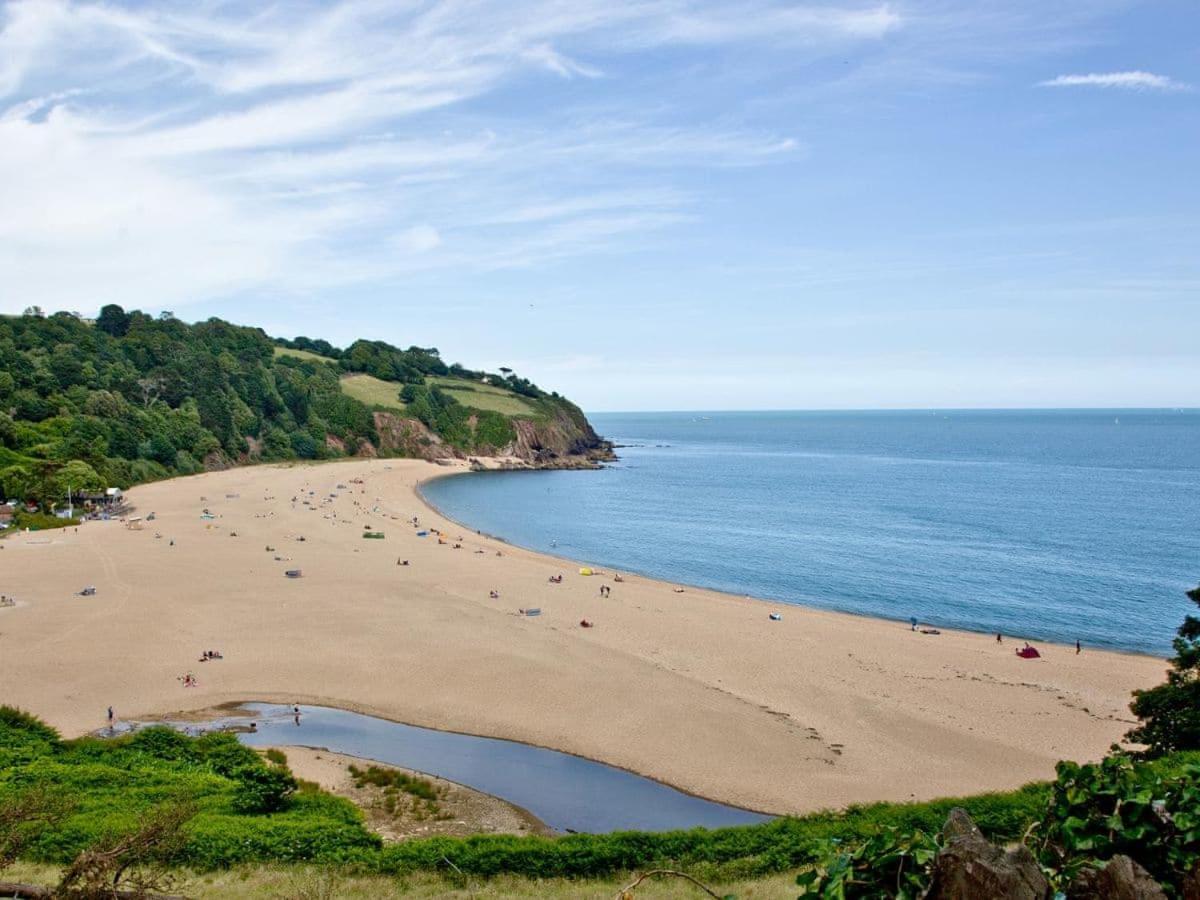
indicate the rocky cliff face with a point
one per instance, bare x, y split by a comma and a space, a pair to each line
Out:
562, 440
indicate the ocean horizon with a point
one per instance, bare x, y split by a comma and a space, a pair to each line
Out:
1043, 524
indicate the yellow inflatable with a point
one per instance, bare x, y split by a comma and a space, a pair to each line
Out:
585, 571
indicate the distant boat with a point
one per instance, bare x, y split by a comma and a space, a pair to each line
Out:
1116, 421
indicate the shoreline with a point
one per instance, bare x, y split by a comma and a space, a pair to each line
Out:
818, 711
784, 604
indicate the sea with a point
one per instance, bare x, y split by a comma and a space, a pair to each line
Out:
1057, 525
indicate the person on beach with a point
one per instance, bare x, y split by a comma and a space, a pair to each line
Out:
111, 718
999, 639
913, 621
1078, 649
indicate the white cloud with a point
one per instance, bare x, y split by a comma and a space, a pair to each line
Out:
545, 55
419, 239
1130, 81
156, 155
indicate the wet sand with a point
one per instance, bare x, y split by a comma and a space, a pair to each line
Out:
697, 689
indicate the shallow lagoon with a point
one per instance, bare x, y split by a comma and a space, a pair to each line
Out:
568, 793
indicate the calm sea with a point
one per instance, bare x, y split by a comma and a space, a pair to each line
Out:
1058, 525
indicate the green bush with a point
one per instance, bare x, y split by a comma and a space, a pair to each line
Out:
115, 784
262, 789
36, 521
391, 778
1170, 712
1116, 807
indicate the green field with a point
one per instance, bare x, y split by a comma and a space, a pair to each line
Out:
373, 391
483, 396
303, 354
376, 392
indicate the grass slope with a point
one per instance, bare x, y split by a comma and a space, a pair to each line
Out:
483, 396
303, 354
374, 392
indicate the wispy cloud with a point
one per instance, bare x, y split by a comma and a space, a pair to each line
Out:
159, 155
1129, 81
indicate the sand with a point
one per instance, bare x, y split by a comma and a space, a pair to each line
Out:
697, 689
460, 811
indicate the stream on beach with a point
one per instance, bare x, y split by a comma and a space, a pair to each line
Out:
567, 793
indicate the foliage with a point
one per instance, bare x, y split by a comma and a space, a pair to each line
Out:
1170, 713
116, 785
377, 776
391, 363
462, 426
37, 521
21, 726
137, 860
1149, 811
262, 789
308, 345
24, 814
1146, 808
1115, 807
136, 398
890, 863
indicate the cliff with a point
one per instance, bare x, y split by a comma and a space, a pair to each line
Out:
561, 439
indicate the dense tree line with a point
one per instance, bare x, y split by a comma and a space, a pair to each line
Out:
409, 366
134, 398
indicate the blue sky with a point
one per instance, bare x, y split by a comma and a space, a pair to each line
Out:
658, 204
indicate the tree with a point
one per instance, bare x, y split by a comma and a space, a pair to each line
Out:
113, 320
75, 476
35, 311
1170, 713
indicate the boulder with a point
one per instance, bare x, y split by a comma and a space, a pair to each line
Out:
1120, 879
969, 867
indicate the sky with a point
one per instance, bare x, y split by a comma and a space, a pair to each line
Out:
651, 204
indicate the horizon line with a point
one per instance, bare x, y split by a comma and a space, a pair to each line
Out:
904, 409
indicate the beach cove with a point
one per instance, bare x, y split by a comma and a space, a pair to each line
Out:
697, 689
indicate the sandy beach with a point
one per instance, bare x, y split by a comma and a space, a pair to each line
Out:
697, 689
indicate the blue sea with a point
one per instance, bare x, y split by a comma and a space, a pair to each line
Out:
1056, 525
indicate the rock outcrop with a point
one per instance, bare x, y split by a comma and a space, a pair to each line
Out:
1120, 879
970, 867
558, 441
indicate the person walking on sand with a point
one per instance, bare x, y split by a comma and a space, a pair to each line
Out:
111, 718
999, 639
1078, 648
